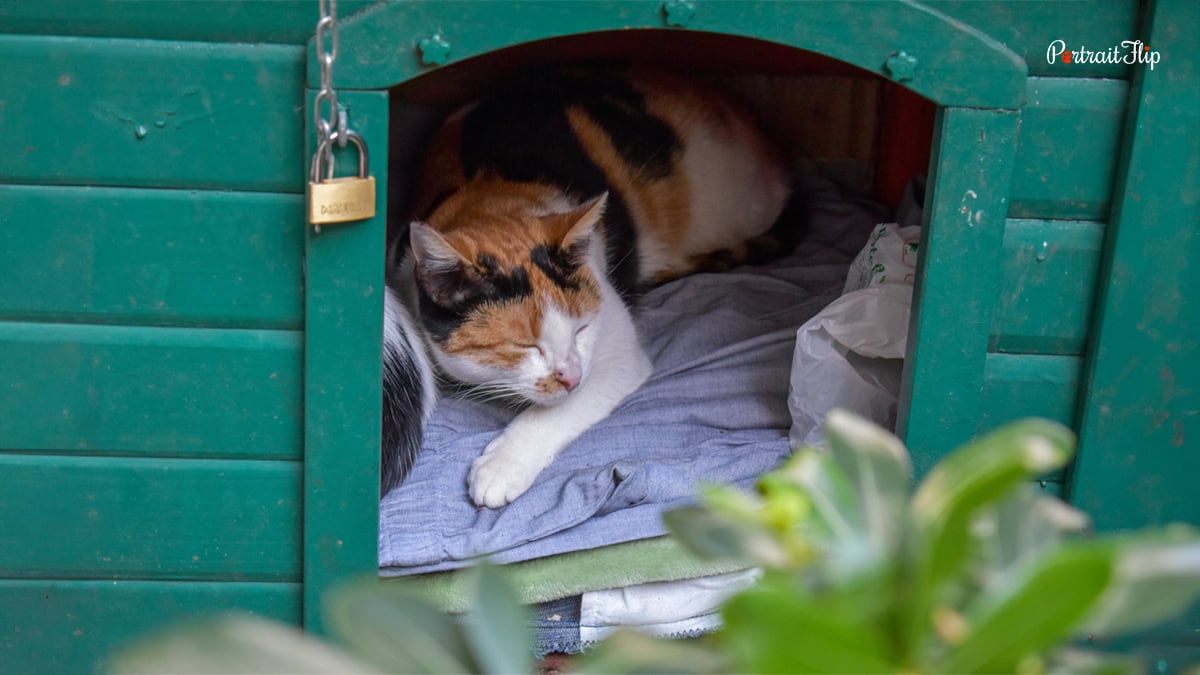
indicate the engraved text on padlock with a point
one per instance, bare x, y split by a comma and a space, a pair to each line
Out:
340, 200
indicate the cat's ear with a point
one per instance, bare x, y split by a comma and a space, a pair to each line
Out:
440, 268
582, 220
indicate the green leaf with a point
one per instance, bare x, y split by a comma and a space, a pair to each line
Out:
629, 652
1021, 526
394, 630
1157, 578
878, 467
234, 645
712, 536
945, 504
497, 626
774, 629
834, 501
1005, 625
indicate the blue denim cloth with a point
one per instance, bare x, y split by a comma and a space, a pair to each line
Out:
556, 627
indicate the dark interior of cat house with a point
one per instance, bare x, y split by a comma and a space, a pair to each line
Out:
745, 361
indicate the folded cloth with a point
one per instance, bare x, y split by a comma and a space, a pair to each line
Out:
572, 574
676, 630
661, 608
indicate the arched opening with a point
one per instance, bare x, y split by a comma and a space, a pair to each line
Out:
821, 109
723, 343
914, 90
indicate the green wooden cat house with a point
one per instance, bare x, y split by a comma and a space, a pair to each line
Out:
190, 374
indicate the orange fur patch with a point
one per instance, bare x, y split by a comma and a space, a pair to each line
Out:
660, 208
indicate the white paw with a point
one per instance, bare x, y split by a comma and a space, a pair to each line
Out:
497, 477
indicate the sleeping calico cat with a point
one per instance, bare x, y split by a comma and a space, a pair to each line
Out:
541, 212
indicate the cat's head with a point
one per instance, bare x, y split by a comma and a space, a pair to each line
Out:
512, 303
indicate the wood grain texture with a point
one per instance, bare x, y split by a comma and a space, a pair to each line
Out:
151, 257
1024, 27
144, 113
150, 391
1027, 28
343, 396
956, 64
1139, 455
149, 518
50, 626
1069, 146
958, 274
1140, 415
273, 21
1016, 386
1048, 285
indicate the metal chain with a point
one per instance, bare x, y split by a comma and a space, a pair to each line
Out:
327, 53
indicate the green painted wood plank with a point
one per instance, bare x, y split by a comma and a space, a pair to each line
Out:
1029, 385
149, 518
150, 391
343, 375
1027, 28
71, 626
140, 113
1140, 418
1024, 27
1049, 282
955, 64
277, 21
1070, 141
156, 257
1017, 386
958, 276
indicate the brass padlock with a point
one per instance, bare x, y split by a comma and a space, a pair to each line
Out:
340, 200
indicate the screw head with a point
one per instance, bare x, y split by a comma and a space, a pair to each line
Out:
679, 12
435, 50
901, 66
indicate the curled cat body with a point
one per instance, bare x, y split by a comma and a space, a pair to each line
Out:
540, 214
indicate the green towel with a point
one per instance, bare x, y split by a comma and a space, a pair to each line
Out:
561, 576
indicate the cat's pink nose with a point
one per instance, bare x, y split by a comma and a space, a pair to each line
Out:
569, 379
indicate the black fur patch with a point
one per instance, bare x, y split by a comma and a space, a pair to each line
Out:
448, 297
527, 137
558, 264
497, 285
643, 141
403, 413
621, 249
439, 321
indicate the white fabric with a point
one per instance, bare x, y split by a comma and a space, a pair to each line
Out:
685, 628
661, 608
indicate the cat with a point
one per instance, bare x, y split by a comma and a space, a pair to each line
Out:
540, 213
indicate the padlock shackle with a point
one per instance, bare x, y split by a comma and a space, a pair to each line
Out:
325, 149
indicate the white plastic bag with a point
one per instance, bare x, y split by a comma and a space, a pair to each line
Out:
890, 257
850, 355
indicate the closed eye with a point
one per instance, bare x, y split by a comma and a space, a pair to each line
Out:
582, 328
532, 347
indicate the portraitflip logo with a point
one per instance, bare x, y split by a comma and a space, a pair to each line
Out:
1129, 51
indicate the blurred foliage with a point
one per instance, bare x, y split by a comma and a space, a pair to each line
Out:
972, 572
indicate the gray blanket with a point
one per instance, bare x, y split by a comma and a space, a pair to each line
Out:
714, 411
